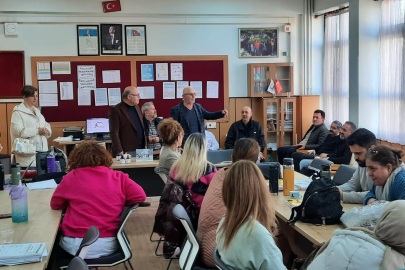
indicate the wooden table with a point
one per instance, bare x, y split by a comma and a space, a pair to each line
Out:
65, 144
42, 225
140, 164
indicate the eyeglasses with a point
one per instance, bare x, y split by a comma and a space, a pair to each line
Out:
137, 95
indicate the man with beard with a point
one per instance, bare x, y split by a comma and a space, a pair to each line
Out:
355, 190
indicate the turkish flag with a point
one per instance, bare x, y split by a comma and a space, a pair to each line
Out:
111, 6
135, 33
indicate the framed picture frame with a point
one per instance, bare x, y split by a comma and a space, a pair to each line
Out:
111, 39
135, 40
87, 40
258, 42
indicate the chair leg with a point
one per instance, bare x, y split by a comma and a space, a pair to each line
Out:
150, 238
130, 264
169, 264
125, 265
157, 247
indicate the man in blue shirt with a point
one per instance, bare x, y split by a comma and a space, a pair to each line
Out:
191, 115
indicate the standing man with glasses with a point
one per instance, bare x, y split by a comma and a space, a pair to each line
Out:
126, 123
191, 115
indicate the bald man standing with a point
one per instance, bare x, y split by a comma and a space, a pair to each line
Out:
245, 128
191, 115
126, 123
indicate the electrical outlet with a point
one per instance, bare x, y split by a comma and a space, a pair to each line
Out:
285, 53
211, 124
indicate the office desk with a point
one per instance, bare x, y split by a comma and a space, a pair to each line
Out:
42, 225
64, 145
313, 233
140, 164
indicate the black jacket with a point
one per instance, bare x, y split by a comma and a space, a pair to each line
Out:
343, 155
329, 146
237, 131
317, 137
146, 127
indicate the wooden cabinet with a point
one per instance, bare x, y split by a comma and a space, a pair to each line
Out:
261, 74
6, 110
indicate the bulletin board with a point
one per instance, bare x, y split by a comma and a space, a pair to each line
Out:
12, 73
195, 68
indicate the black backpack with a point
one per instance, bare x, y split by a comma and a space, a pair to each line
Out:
41, 160
320, 205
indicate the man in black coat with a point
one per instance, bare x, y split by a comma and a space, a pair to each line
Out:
246, 128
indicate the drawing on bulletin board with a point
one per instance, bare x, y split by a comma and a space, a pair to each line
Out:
162, 71
111, 76
176, 71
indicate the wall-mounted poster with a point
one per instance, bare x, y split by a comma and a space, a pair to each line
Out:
135, 37
87, 40
111, 39
258, 42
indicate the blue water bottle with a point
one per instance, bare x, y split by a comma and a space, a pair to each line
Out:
50, 161
19, 204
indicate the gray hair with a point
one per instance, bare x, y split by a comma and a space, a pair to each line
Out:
352, 125
145, 106
339, 125
126, 93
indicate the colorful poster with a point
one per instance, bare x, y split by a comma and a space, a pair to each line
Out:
162, 71
176, 71
61, 67
169, 90
147, 72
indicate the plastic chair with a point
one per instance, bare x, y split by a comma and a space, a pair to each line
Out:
317, 163
191, 246
217, 156
343, 174
77, 264
265, 169
218, 262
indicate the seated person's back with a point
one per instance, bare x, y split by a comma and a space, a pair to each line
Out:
93, 194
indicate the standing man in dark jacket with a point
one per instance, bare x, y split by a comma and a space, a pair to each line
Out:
126, 123
312, 140
151, 122
246, 128
191, 115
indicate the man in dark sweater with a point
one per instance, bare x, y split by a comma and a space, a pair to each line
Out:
341, 154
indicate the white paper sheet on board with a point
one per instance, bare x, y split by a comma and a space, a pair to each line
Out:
100, 97
66, 90
180, 86
48, 100
146, 92
169, 90
212, 89
197, 85
48, 87
44, 71
111, 76
84, 97
176, 71
114, 96
86, 72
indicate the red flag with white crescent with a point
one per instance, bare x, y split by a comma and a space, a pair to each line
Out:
111, 6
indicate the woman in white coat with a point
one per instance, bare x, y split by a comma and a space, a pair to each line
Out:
27, 122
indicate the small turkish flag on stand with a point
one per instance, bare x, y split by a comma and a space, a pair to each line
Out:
111, 6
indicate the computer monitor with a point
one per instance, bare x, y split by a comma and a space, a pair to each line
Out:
98, 126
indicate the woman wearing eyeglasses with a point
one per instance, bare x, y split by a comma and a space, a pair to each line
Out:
387, 171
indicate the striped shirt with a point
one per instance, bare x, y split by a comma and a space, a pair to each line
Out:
152, 132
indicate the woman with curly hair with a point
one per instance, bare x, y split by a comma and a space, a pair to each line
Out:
93, 194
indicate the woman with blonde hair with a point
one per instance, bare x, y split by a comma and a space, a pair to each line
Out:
244, 237
193, 169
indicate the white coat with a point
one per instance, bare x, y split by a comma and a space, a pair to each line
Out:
25, 124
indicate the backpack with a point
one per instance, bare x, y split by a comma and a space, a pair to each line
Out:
41, 160
320, 205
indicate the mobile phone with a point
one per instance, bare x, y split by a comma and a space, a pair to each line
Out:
5, 216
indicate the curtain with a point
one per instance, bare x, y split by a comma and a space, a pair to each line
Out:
335, 93
391, 94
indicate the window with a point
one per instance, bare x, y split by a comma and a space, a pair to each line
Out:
336, 68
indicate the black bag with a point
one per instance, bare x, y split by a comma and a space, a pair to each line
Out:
320, 205
41, 160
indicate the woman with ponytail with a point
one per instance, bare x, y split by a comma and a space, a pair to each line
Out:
387, 171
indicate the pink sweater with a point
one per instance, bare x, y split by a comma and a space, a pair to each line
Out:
94, 196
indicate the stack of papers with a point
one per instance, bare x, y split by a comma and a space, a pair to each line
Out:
42, 185
14, 254
298, 184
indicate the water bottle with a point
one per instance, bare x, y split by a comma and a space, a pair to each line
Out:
19, 205
288, 176
50, 161
15, 174
326, 171
1, 177
273, 178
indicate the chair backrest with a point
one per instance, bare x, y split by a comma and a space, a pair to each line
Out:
218, 262
265, 169
77, 264
217, 156
89, 238
343, 174
318, 162
158, 170
191, 246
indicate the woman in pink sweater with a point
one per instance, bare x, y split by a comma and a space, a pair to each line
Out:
93, 194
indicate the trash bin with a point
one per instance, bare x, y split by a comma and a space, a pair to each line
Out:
5, 160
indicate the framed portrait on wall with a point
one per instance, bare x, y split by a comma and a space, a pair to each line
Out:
135, 37
87, 40
111, 39
258, 42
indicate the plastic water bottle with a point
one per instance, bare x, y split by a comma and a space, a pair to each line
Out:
50, 161
15, 174
19, 205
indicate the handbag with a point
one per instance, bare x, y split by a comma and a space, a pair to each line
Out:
24, 146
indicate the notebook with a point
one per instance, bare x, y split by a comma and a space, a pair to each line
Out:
13, 254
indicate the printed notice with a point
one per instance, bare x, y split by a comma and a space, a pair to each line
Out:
83, 97
162, 71
147, 72
212, 89
86, 72
48, 87
60, 67
169, 90
114, 96
48, 100
146, 92
87, 84
176, 71
111, 76
66, 90
100, 97
180, 86
198, 88
44, 71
